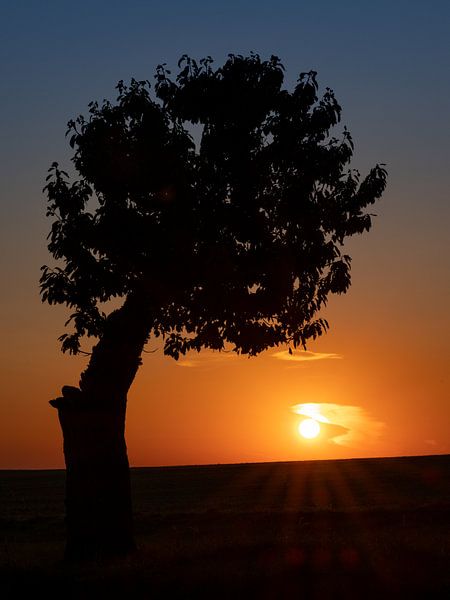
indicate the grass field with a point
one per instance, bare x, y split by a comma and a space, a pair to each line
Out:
363, 528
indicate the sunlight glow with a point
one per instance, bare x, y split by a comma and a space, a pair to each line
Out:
309, 428
342, 424
311, 410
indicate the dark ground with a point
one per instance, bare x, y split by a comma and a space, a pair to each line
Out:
366, 528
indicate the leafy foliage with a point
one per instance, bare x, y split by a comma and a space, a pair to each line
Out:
237, 238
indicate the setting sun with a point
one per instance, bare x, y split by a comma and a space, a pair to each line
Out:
309, 428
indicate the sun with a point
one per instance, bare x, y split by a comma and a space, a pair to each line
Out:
309, 428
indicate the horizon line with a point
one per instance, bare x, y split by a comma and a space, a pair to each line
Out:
266, 462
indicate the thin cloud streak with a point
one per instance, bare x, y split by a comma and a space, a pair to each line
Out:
214, 358
206, 359
305, 356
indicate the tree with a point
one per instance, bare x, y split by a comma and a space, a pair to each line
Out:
236, 240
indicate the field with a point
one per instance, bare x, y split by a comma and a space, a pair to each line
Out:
362, 528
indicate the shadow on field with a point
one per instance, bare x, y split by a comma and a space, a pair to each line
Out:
326, 529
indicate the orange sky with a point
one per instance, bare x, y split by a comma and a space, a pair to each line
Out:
391, 362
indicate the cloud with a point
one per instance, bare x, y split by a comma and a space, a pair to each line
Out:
304, 356
187, 363
206, 358
344, 425
210, 358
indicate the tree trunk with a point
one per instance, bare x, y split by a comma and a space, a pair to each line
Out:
92, 418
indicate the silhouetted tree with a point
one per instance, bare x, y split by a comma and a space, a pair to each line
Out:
236, 240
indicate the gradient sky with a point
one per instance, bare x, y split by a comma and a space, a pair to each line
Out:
388, 63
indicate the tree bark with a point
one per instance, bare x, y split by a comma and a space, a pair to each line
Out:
92, 418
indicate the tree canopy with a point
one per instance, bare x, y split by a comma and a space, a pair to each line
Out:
218, 198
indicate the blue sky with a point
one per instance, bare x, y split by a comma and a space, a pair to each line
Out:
388, 63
